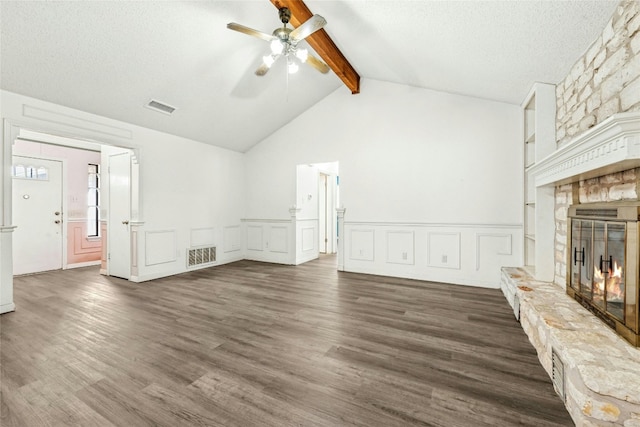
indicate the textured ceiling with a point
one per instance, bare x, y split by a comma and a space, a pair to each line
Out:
111, 57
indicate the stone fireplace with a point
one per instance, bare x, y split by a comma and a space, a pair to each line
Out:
603, 263
594, 364
593, 157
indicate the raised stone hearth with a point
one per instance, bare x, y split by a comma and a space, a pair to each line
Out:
601, 378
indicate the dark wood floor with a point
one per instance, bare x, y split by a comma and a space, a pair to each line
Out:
253, 344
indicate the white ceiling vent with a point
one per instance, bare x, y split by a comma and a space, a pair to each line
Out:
160, 107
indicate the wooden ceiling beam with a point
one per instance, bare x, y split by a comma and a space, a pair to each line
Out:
322, 44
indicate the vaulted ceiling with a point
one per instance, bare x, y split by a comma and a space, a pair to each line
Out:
111, 57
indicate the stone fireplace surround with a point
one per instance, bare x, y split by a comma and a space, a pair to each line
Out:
601, 372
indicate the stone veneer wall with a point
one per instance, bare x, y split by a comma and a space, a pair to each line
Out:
604, 81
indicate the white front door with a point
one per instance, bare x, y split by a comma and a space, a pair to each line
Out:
119, 243
37, 213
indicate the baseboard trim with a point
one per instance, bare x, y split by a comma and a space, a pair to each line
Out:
426, 277
83, 264
7, 308
148, 277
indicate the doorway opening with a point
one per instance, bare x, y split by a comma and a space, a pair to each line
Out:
318, 198
60, 203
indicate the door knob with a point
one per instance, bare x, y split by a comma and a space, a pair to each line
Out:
125, 222
57, 221
56, 213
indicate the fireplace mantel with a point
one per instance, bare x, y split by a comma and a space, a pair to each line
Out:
611, 146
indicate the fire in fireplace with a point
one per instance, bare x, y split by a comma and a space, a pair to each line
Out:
603, 263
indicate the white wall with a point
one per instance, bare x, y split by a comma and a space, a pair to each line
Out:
408, 157
307, 191
193, 191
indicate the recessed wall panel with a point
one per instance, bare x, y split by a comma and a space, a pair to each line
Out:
308, 239
255, 238
443, 250
362, 245
202, 237
160, 247
231, 238
492, 246
278, 239
400, 246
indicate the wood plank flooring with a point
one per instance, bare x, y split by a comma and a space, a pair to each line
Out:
254, 344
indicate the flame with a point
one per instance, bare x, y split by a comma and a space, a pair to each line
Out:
615, 291
614, 284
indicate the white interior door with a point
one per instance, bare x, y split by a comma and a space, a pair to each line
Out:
322, 213
332, 217
119, 243
37, 213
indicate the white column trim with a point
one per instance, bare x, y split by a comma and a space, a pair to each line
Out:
341, 248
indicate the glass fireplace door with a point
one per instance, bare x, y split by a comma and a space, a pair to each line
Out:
582, 257
600, 263
597, 267
614, 273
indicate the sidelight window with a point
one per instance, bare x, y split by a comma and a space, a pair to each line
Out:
93, 201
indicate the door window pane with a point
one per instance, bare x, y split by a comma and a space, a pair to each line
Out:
614, 291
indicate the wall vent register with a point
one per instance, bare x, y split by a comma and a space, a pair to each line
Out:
201, 256
557, 374
160, 107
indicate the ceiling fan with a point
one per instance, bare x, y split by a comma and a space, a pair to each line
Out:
284, 42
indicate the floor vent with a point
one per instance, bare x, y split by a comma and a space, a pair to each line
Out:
200, 256
160, 107
558, 374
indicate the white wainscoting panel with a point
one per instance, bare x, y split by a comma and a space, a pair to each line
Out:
466, 254
362, 244
278, 236
400, 247
269, 240
490, 246
160, 247
443, 250
308, 238
231, 238
202, 237
255, 234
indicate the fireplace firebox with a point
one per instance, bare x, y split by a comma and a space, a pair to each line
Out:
603, 263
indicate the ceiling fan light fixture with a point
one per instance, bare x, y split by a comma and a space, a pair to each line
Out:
302, 54
268, 60
276, 47
283, 42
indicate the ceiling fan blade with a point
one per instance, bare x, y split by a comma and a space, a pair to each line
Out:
262, 69
250, 31
317, 64
307, 28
